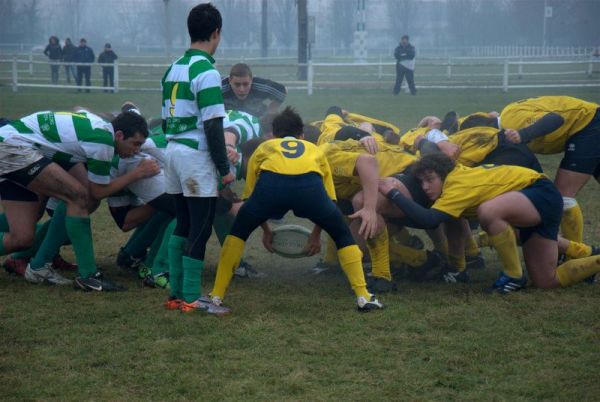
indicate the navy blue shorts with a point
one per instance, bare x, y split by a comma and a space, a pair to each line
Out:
582, 150
546, 198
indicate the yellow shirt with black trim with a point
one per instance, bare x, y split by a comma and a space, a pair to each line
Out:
359, 118
288, 156
475, 144
333, 122
342, 156
408, 138
461, 120
465, 188
577, 114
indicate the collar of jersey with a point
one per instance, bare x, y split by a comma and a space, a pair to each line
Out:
198, 52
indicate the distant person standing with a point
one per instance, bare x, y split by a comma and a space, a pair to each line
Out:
54, 53
405, 65
68, 52
108, 72
84, 54
253, 95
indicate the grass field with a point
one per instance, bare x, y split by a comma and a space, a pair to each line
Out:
295, 336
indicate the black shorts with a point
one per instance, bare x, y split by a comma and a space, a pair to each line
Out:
276, 194
10, 191
412, 183
26, 175
582, 150
546, 198
119, 214
507, 153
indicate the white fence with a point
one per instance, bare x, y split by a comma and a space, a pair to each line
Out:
449, 73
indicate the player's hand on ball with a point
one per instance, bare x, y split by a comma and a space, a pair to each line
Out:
368, 224
512, 136
370, 144
147, 168
228, 178
267, 239
313, 245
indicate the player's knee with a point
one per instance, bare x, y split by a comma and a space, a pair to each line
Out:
486, 215
22, 240
78, 197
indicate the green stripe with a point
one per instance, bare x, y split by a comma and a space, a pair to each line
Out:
160, 141
115, 161
178, 125
184, 60
199, 67
209, 97
85, 132
99, 168
197, 52
61, 157
164, 78
47, 124
20, 127
243, 133
186, 141
183, 90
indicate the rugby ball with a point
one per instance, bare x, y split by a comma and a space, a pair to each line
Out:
290, 240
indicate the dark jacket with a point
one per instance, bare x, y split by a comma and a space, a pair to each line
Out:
54, 52
404, 52
84, 55
68, 52
107, 56
261, 90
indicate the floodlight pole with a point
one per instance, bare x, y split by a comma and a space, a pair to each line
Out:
302, 39
544, 27
264, 30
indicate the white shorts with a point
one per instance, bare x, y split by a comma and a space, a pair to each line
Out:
145, 189
190, 172
16, 155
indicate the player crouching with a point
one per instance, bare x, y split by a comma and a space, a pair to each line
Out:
287, 173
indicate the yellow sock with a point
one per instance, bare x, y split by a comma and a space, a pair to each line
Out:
441, 246
578, 250
331, 255
575, 271
379, 251
229, 259
505, 244
471, 247
351, 262
407, 255
458, 262
571, 224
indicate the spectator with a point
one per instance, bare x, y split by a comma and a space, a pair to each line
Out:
68, 55
84, 54
54, 53
242, 92
405, 65
108, 72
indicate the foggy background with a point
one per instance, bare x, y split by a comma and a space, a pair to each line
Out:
140, 25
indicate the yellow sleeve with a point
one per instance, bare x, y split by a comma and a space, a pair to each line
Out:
327, 177
252, 172
359, 118
342, 163
329, 127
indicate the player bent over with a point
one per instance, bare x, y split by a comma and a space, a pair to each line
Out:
503, 196
287, 173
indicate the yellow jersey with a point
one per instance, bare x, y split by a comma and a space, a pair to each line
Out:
333, 122
466, 188
288, 156
342, 156
408, 138
475, 144
576, 113
461, 120
379, 124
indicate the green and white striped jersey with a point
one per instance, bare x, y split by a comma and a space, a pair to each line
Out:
244, 124
68, 137
191, 94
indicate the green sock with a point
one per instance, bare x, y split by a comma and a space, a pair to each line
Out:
80, 232
3, 223
160, 263
176, 246
192, 273
143, 238
155, 246
222, 225
54, 239
2, 249
40, 234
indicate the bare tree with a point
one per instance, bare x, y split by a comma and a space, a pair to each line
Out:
402, 14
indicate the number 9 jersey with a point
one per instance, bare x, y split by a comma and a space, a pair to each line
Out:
288, 156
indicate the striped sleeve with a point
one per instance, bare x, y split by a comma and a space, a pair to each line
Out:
99, 158
207, 88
